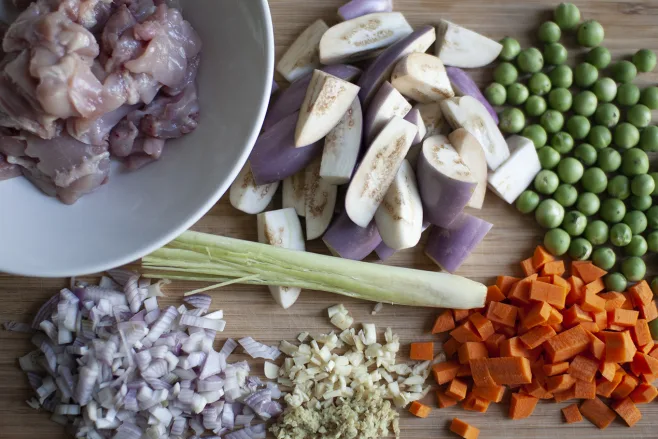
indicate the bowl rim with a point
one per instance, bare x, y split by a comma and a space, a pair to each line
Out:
194, 217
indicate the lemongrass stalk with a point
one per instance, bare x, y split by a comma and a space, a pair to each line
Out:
220, 258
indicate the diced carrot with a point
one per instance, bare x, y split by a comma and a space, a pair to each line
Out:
574, 267
555, 318
654, 352
493, 344
601, 319
645, 364
545, 279
596, 412
536, 336
460, 314
649, 379
567, 344
568, 394
557, 327
560, 281
489, 372
605, 387
592, 302
445, 372
505, 283
628, 411
553, 267
613, 300
619, 346
628, 301
444, 322
556, 368
464, 371
647, 348
537, 315
502, 313
623, 317
585, 389
574, 315
475, 404
483, 326
520, 292
472, 350
641, 293
559, 383
546, 292
527, 267
649, 312
463, 429
491, 394
572, 414
522, 406
644, 393
541, 257
422, 351
457, 389
615, 328
590, 326
594, 287
481, 375
626, 386
597, 347
589, 272
443, 400
576, 290
583, 368
608, 370
494, 294
513, 347
507, 331
537, 369
420, 410
451, 347
536, 389
465, 332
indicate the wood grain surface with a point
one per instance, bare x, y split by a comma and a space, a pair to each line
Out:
629, 25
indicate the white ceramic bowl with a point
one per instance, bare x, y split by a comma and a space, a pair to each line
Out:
138, 212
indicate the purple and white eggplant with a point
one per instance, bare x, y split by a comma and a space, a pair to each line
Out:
249, 197
302, 56
461, 47
415, 118
387, 103
450, 247
445, 182
294, 192
518, 172
422, 77
358, 8
435, 122
320, 201
349, 241
471, 152
463, 85
342, 145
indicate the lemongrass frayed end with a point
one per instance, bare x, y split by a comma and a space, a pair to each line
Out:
220, 285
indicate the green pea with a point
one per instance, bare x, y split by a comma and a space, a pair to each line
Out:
560, 99
511, 49
590, 34
555, 54
634, 161
571, 170
557, 242
609, 160
626, 135
505, 74
548, 157
620, 235
574, 223
585, 103
585, 75
652, 242
641, 203
599, 57
580, 249
604, 258
619, 186
549, 214
586, 153
654, 175
649, 97
605, 89
578, 126
539, 84
644, 60
639, 115
527, 202
552, 121
517, 94
607, 115
549, 32
652, 218
567, 16
634, 269
643, 185
562, 142
512, 120
637, 247
637, 221
530, 60
496, 94
649, 139
654, 288
600, 137
624, 71
561, 76
536, 133
597, 232
613, 210
594, 180
588, 203
546, 182
535, 106
566, 195
616, 282
628, 94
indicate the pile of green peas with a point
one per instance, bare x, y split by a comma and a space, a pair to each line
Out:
592, 129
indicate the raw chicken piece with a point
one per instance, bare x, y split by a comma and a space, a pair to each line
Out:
8, 170
11, 143
172, 117
141, 9
189, 78
97, 131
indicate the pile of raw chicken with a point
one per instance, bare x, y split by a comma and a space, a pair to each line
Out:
85, 80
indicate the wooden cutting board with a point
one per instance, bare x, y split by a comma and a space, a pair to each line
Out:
251, 311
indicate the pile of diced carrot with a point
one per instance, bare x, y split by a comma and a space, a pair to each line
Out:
552, 336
